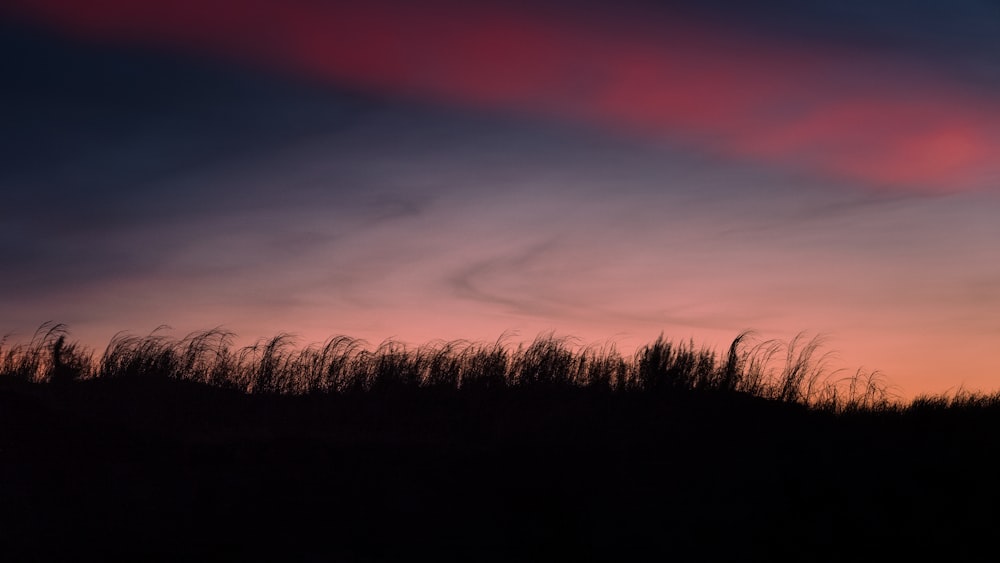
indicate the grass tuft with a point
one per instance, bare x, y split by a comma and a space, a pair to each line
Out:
794, 372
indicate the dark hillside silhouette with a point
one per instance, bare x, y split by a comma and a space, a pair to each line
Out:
163, 450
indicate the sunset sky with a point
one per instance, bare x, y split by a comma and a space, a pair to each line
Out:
448, 169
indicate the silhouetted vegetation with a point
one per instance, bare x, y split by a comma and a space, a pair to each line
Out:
792, 373
161, 449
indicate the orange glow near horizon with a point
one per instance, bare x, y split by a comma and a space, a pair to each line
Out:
922, 336
914, 365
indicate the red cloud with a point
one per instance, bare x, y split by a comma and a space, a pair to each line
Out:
819, 111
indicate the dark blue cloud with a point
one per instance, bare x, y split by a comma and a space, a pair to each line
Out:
83, 120
93, 135
960, 35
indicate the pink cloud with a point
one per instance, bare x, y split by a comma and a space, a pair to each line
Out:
822, 111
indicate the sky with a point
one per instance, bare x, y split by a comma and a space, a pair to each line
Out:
445, 170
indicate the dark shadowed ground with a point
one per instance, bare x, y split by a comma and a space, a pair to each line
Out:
146, 469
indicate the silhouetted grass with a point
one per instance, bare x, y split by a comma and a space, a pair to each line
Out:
793, 372
192, 448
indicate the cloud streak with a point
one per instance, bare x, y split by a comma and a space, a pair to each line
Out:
816, 109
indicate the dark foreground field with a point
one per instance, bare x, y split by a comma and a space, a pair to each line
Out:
159, 468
